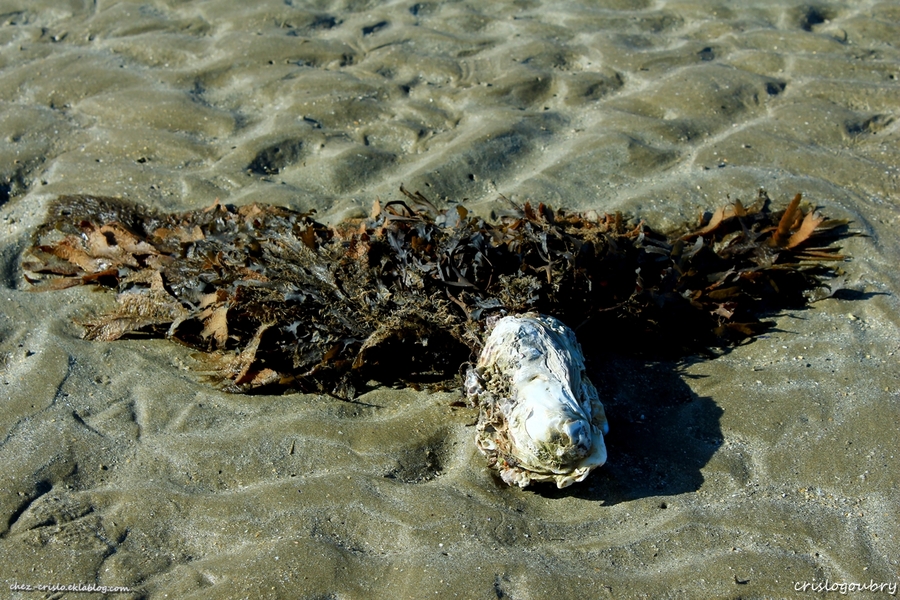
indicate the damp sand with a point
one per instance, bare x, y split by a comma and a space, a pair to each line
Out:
749, 474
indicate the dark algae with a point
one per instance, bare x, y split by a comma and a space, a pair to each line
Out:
279, 301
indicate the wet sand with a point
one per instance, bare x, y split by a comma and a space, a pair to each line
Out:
746, 475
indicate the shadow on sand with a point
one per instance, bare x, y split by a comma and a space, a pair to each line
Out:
661, 433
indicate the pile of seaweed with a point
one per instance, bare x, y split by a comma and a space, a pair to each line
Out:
278, 300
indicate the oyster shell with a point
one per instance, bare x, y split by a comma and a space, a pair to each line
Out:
540, 417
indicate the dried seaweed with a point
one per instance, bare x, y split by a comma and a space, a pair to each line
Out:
277, 300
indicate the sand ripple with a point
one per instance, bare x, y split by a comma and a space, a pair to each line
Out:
730, 477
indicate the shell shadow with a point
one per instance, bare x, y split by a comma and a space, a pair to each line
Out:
661, 433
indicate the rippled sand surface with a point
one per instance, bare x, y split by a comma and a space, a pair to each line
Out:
738, 476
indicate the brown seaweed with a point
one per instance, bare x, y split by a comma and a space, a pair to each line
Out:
278, 300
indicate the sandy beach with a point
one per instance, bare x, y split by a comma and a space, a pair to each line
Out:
768, 471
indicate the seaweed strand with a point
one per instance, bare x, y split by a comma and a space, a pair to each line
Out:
278, 300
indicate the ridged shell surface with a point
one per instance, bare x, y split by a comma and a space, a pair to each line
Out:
540, 417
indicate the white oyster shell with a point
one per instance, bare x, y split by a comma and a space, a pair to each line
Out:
540, 418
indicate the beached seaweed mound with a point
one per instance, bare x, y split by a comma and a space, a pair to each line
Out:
281, 301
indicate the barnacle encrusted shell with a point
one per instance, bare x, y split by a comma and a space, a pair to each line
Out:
540, 417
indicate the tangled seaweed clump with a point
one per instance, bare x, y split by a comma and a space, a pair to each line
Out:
278, 300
